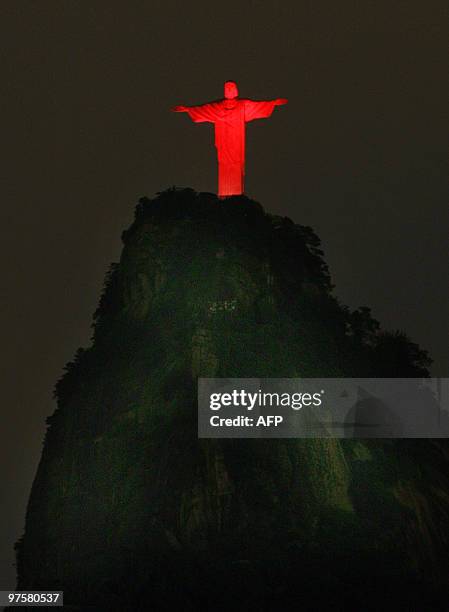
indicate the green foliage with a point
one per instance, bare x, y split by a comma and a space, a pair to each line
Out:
126, 494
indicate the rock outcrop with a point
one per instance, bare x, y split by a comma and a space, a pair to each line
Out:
129, 510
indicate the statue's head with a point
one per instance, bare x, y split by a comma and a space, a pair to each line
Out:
230, 90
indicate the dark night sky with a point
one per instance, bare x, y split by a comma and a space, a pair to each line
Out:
360, 154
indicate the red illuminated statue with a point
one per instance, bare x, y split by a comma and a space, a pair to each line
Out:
229, 116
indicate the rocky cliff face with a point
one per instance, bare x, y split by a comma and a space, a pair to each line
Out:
129, 509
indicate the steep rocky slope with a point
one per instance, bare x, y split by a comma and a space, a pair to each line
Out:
129, 510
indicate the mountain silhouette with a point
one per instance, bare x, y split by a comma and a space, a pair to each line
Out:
129, 510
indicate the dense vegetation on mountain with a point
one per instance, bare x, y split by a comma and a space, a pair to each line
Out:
129, 510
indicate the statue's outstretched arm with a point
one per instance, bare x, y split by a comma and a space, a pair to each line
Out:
261, 109
200, 114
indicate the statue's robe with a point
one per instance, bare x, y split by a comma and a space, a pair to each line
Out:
229, 117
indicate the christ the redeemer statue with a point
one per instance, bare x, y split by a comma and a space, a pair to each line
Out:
229, 116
